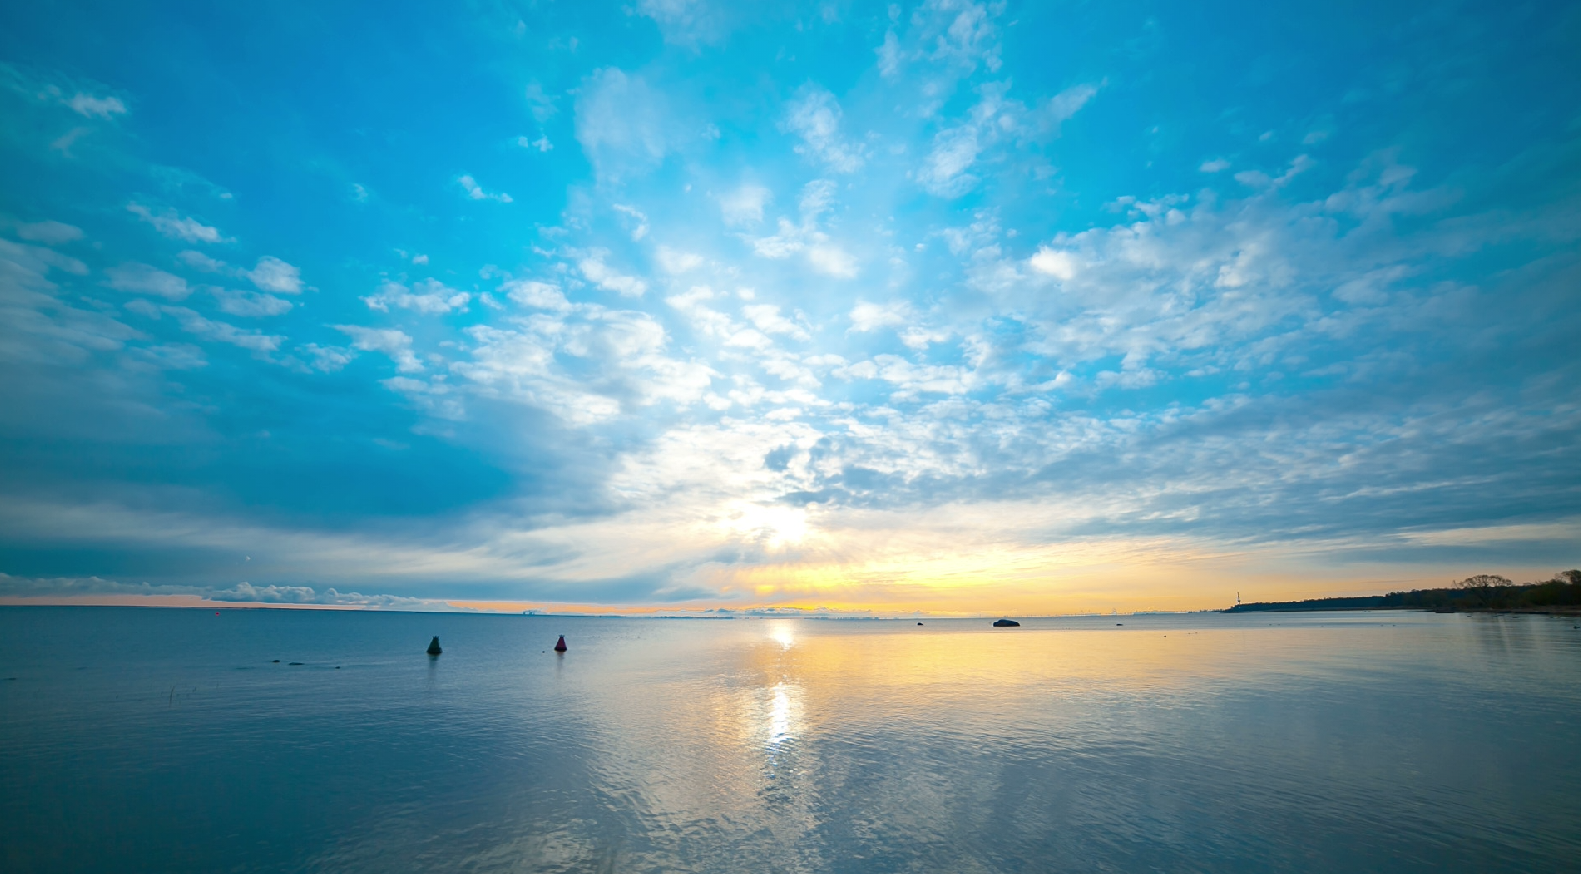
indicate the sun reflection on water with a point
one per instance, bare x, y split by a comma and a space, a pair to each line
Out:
783, 632
779, 717
780, 714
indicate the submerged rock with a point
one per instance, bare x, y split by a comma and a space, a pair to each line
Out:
1006, 623
433, 647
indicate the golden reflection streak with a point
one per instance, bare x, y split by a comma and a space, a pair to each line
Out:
749, 744
783, 632
780, 725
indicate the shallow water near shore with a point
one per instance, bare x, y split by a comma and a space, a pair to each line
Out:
170, 740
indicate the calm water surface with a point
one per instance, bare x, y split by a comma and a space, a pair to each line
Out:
169, 740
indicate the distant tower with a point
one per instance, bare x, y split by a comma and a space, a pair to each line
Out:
1237, 597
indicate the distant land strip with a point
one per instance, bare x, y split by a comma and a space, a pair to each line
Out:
1487, 593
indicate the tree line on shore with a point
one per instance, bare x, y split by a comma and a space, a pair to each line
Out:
1480, 592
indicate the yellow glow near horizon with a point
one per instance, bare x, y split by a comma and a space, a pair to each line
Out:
968, 586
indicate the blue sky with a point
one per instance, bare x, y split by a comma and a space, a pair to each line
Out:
943, 306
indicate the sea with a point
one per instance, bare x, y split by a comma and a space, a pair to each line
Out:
190, 740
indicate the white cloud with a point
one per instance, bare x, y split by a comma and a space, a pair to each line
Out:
822, 255
1259, 179
619, 363
171, 356
428, 296
1214, 165
954, 151
327, 358
919, 338
49, 233
145, 309
888, 55
199, 261
870, 316
817, 197
393, 343
65, 141
38, 324
637, 216
531, 293
831, 260
911, 379
692, 299
814, 115
768, 319
176, 228
969, 35
1053, 262
621, 122
1214, 285
1064, 105
782, 245
542, 144
597, 272
683, 22
675, 261
272, 274
476, 192
250, 304
137, 277
78, 96
745, 204
89, 106
247, 593
193, 323
946, 171
540, 104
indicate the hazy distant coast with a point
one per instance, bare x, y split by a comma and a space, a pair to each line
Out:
1482, 593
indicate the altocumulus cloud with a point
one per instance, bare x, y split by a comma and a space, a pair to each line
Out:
877, 308
306, 595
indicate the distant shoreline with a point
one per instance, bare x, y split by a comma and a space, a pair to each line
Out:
1560, 596
1304, 607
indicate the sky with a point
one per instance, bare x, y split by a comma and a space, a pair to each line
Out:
687, 305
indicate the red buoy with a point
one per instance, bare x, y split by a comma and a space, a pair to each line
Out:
559, 645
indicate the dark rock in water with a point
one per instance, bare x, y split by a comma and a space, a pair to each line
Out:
296, 663
919, 623
1006, 623
275, 662
433, 647
1119, 625
559, 645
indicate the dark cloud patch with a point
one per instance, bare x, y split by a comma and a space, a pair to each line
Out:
780, 457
